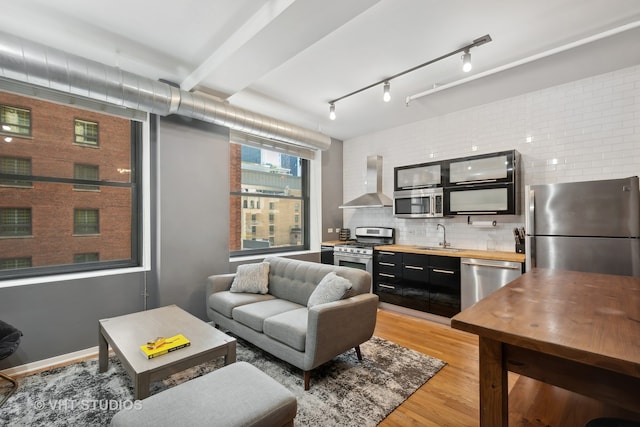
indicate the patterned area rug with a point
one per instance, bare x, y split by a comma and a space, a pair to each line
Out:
344, 391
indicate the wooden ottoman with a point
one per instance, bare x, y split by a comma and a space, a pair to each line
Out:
235, 395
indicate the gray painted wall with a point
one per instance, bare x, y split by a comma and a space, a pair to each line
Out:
62, 317
332, 190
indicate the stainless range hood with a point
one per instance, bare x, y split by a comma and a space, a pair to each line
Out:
374, 198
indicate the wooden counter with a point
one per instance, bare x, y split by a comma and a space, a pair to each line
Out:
461, 253
578, 331
336, 242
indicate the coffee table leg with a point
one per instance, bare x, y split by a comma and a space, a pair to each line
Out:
103, 352
230, 357
141, 387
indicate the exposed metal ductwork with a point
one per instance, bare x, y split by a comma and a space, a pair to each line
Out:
28, 62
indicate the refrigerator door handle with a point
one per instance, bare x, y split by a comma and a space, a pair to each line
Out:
530, 224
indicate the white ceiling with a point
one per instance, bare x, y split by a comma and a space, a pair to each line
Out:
288, 58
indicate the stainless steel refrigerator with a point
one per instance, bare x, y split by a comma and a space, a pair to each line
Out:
589, 226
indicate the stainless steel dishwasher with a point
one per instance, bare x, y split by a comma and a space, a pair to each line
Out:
480, 277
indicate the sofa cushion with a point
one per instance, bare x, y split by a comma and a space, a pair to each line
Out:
289, 328
224, 302
295, 280
253, 315
252, 278
331, 288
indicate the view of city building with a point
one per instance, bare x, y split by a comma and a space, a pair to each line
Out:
267, 200
64, 213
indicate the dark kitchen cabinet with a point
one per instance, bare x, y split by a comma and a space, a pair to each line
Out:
444, 281
428, 283
326, 254
487, 184
387, 271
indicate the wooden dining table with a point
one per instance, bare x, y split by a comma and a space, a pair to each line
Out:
578, 331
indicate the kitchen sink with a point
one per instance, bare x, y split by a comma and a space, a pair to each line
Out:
437, 248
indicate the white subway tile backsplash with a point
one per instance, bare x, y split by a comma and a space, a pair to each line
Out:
591, 127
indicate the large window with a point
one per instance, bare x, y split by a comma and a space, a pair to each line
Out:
269, 201
47, 226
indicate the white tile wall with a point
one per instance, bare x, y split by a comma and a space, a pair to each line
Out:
584, 130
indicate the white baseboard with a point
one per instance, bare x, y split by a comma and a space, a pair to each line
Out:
44, 364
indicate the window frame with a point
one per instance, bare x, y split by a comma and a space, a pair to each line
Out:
28, 226
134, 184
86, 187
5, 131
76, 121
15, 181
304, 205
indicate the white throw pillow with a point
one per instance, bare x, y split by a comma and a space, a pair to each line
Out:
251, 278
331, 288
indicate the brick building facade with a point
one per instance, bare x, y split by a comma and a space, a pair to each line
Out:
53, 150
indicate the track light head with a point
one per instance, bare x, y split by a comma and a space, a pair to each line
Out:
387, 92
332, 111
466, 61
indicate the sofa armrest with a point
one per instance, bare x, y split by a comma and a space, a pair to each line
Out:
335, 327
219, 283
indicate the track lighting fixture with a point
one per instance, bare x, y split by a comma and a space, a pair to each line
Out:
466, 61
386, 97
332, 111
466, 66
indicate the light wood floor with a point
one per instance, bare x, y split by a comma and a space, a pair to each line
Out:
450, 398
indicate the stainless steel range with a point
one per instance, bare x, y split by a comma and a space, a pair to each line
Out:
359, 254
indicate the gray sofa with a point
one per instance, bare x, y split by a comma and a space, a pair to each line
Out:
280, 322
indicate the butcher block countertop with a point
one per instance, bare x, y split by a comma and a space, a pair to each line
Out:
459, 253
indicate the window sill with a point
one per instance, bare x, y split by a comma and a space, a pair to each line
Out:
70, 276
253, 257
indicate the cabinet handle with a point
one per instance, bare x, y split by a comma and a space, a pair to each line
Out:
386, 275
479, 264
387, 264
386, 253
480, 181
414, 267
475, 212
435, 270
380, 285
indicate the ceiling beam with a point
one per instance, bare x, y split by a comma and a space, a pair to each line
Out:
260, 20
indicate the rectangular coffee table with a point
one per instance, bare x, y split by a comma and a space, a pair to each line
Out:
125, 334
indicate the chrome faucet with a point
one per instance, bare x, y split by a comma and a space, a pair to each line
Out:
444, 242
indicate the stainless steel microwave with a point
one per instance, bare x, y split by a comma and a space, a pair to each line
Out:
418, 203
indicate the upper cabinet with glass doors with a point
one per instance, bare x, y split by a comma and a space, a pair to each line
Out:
483, 169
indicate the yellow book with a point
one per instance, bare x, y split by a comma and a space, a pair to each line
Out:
164, 345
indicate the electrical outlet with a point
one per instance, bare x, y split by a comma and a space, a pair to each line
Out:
329, 230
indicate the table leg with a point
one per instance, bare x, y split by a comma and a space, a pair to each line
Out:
494, 391
230, 357
141, 386
103, 352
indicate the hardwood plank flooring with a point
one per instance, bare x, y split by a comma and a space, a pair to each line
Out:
450, 398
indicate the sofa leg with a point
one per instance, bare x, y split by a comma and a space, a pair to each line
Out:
358, 353
307, 378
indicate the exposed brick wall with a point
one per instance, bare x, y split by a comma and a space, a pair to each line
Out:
52, 152
235, 204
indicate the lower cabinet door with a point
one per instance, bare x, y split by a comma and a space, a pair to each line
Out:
415, 295
444, 300
389, 292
